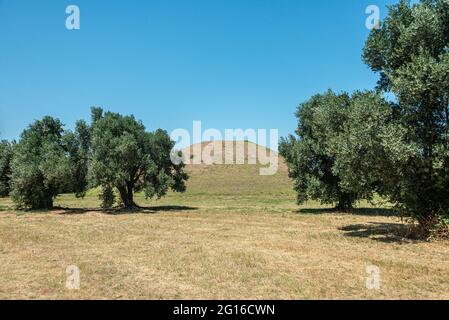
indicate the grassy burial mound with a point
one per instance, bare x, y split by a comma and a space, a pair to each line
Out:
240, 178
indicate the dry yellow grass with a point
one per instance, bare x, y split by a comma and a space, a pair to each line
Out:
233, 235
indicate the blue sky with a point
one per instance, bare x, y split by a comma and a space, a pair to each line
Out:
228, 63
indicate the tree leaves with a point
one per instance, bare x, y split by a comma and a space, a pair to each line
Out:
311, 157
131, 159
6, 153
41, 165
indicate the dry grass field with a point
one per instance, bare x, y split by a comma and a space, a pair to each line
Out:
233, 235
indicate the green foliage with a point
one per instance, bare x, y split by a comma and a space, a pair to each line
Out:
107, 196
407, 32
43, 164
363, 144
39, 166
78, 148
411, 53
6, 151
311, 156
130, 159
369, 146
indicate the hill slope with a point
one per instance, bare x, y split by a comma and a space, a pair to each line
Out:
219, 186
236, 179
233, 186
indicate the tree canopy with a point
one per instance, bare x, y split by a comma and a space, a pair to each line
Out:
130, 159
114, 152
5, 167
311, 155
399, 148
43, 164
411, 53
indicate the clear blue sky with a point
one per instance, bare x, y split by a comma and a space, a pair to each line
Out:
229, 63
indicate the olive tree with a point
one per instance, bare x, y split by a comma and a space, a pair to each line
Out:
129, 159
411, 53
5, 167
369, 145
43, 165
311, 155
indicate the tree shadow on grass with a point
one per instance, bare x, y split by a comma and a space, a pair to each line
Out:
369, 212
383, 232
155, 209
122, 211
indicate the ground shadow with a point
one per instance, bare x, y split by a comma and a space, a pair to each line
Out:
369, 212
120, 211
383, 232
